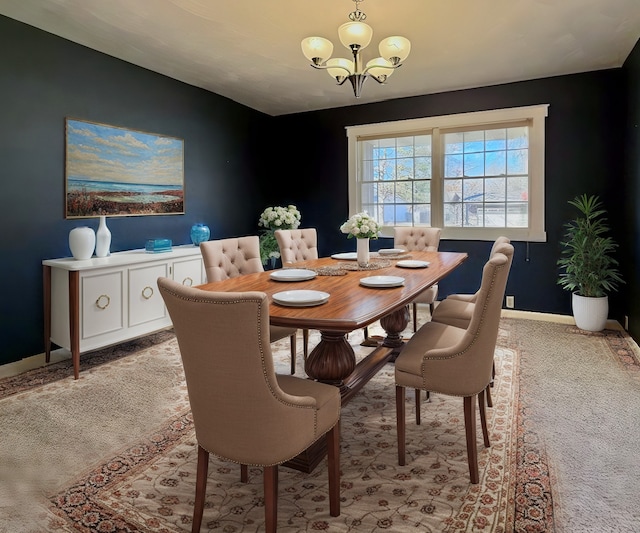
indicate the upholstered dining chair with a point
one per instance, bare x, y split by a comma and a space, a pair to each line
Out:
242, 411
419, 239
298, 245
457, 309
454, 361
228, 258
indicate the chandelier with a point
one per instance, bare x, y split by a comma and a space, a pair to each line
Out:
356, 35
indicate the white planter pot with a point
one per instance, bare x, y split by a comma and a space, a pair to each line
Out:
590, 313
82, 242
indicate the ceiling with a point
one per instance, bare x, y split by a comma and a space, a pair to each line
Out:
250, 51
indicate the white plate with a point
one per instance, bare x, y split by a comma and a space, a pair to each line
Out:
410, 263
292, 274
391, 251
382, 281
300, 298
346, 256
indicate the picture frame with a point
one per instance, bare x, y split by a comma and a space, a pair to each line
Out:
114, 171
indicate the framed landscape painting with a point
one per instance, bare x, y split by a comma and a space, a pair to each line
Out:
114, 171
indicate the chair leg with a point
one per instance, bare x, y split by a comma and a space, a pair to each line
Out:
488, 393
294, 351
400, 424
470, 430
483, 419
432, 308
365, 330
427, 397
333, 458
201, 488
244, 473
271, 498
493, 373
305, 345
415, 317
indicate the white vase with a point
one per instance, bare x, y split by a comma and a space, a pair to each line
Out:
362, 250
590, 313
82, 242
103, 238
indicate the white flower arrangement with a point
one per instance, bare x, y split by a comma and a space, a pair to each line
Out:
271, 219
280, 217
361, 226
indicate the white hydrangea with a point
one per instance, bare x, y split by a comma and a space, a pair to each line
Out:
280, 217
361, 226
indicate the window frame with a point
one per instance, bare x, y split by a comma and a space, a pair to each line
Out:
535, 115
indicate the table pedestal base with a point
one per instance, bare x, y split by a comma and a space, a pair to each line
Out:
333, 361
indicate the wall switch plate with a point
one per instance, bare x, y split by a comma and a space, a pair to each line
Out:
511, 302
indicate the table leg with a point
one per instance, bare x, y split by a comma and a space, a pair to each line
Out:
332, 360
394, 324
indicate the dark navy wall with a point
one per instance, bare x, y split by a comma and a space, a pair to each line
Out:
631, 194
584, 136
44, 79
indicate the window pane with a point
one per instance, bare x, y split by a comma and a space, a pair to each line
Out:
422, 145
474, 164
422, 168
496, 140
404, 213
473, 190
473, 216
473, 141
405, 147
422, 214
453, 191
518, 188
494, 215
518, 215
517, 161
404, 192
495, 163
495, 189
453, 143
404, 168
453, 166
518, 138
422, 192
453, 215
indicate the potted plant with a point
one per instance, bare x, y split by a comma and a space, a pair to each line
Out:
589, 269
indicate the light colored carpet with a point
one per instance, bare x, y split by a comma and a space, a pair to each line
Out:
583, 393
116, 449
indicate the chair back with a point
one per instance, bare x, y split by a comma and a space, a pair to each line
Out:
297, 244
465, 369
499, 241
417, 238
228, 258
239, 410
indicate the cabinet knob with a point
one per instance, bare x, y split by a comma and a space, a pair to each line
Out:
147, 292
188, 281
103, 301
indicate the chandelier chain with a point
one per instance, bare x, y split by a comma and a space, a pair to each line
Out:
357, 15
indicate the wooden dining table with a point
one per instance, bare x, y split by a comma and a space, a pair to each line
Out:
349, 307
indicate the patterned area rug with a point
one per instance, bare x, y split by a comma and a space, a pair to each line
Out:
149, 485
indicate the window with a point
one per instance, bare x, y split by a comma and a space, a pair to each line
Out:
475, 175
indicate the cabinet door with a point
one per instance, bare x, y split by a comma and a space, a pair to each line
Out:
101, 303
145, 302
188, 271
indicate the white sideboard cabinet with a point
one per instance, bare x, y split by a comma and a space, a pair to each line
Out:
97, 302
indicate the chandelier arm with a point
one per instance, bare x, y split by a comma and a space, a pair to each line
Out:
324, 66
366, 70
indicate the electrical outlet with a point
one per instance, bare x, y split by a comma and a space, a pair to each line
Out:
511, 302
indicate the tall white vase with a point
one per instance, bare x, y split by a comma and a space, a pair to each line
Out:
103, 238
590, 313
362, 252
82, 242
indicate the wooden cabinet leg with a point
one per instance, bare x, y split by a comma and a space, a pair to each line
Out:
74, 320
46, 284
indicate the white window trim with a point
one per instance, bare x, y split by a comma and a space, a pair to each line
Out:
536, 113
